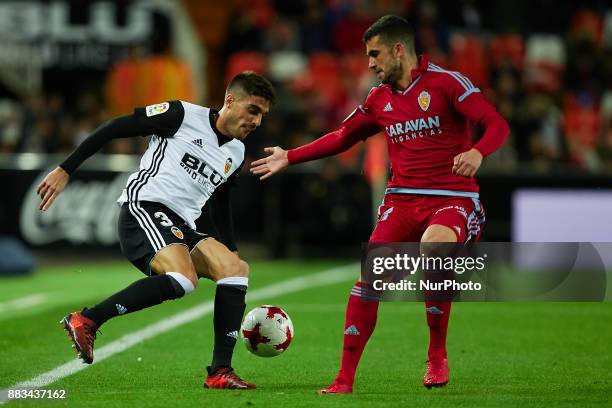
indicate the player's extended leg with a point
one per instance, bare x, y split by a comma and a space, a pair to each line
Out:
215, 261
437, 311
362, 306
359, 323
175, 276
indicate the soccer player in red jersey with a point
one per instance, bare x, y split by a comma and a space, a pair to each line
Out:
425, 112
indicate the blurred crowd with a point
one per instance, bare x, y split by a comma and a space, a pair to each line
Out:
546, 65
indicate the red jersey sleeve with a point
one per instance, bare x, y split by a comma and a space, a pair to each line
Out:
469, 101
358, 126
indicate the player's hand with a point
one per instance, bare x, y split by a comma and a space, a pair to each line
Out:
269, 166
467, 163
51, 187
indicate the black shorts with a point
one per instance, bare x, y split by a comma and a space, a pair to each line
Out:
147, 227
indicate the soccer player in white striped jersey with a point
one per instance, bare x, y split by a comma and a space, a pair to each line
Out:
193, 156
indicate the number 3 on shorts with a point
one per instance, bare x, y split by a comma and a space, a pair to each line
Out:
165, 221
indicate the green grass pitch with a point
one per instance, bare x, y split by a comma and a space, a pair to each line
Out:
501, 354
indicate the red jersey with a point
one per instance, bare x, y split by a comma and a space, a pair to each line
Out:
426, 125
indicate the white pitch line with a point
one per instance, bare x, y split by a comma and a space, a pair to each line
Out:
23, 302
324, 278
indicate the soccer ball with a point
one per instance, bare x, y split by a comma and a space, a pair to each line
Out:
266, 331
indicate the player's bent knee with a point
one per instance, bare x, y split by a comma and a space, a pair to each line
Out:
240, 269
434, 248
243, 269
438, 234
182, 284
175, 259
438, 240
236, 267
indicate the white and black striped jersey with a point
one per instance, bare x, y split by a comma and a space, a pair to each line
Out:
186, 161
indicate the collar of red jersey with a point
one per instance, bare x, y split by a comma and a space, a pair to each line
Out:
423, 61
423, 64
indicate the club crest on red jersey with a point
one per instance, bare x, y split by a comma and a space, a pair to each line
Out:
424, 99
177, 232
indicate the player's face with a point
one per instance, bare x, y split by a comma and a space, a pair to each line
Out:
247, 112
384, 61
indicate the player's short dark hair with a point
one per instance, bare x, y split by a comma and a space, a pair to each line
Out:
391, 29
253, 84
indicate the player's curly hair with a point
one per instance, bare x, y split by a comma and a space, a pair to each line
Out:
253, 84
391, 29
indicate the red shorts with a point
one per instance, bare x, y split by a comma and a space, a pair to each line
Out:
405, 217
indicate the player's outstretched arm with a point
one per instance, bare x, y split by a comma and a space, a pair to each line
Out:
51, 186
142, 122
276, 162
55, 182
352, 131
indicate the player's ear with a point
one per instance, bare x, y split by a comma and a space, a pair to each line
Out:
229, 99
399, 49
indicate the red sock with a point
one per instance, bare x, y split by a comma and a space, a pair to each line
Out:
360, 320
437, 320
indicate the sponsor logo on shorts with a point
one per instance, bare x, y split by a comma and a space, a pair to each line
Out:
177, 232
460, 209
157, 109
385, 215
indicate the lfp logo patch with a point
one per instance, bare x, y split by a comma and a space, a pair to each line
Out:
157, 109
424, 99
228, 165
